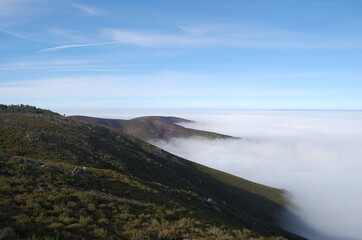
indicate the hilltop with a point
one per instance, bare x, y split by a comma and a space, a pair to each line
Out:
24, 109
153, 127
61, 178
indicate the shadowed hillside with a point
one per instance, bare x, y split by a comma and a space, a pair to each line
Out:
61, 178
153, 128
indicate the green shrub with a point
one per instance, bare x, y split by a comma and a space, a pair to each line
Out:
85, 220
100, 233
56, 225
103, 221
22, 218
74, 226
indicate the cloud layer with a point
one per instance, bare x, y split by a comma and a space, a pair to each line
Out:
237, 36
316, 156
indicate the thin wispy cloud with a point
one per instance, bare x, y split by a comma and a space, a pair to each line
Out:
10, 7
19, 36
85, 65
184, 90
236, 37
68, 35
86, 9
52, 65
151, 39
62, 47
201, 29
19, 12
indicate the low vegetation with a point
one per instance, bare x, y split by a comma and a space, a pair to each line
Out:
24, 109
61, 178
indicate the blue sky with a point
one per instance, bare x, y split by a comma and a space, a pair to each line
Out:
284, 54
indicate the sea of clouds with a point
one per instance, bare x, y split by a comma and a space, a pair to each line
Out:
315, 156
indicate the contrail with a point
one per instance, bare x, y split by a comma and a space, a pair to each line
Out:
57, 48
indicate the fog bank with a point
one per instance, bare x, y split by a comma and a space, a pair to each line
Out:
316, 156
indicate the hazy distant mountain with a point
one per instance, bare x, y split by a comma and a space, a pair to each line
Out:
61, 178
153, 127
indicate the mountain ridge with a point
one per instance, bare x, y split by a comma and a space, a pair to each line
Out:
154, 127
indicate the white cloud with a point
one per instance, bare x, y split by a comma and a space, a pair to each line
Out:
316, 156
150, 39
14, 13
46, 65
227, 36
11, 7
201, 29
62, 47
86, 9
19, 35
68, 35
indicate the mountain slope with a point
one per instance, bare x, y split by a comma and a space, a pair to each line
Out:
153, 127
128, 189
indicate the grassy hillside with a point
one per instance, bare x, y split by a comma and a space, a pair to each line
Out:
61, 178
153, 127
